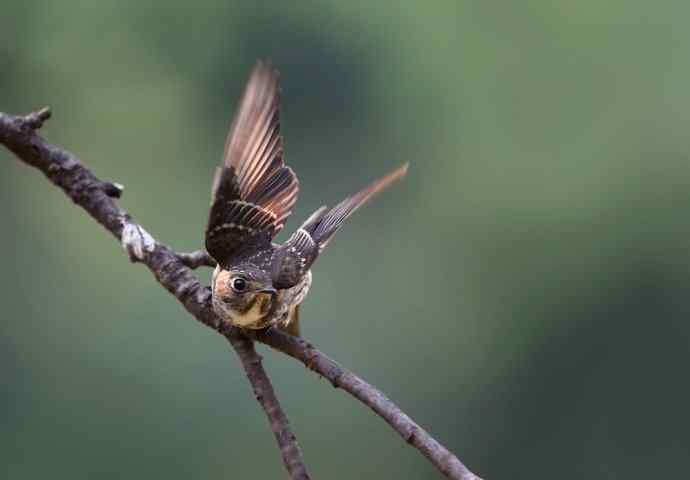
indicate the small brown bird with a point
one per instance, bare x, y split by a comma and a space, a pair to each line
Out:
258, 283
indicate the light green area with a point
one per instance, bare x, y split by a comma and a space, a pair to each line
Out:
523, 294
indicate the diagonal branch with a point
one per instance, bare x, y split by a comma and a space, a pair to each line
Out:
172, 270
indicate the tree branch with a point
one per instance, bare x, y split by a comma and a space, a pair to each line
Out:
171, 270
85, 189
263, 391
369, 395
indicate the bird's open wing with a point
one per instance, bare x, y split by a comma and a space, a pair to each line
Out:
294, 258
253, 191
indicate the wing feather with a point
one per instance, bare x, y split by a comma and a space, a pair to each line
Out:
254, 147
253, 191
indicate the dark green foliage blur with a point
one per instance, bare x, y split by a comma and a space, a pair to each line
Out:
524, 294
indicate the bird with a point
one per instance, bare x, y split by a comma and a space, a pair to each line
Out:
257, 283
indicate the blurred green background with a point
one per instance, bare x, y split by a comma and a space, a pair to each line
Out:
523, 294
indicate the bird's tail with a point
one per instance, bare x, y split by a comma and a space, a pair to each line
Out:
323, 224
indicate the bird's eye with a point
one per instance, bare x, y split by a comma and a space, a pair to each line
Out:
239, 284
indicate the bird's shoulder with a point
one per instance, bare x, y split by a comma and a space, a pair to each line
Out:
259, 258
296, 294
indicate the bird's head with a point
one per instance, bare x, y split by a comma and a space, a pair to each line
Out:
245, 295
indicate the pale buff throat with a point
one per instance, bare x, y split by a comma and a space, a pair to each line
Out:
255, 316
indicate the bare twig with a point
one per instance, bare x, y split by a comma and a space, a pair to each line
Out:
263, 391
196, 259
171, 270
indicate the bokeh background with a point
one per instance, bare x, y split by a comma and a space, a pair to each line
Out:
523, 294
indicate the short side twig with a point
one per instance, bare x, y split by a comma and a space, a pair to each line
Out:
194, 260
171, 271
